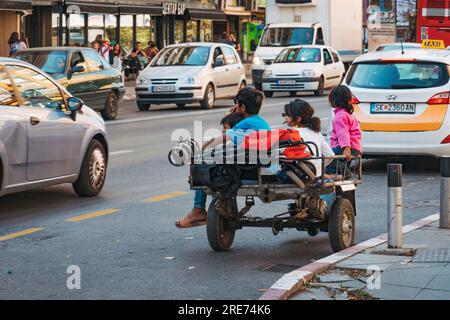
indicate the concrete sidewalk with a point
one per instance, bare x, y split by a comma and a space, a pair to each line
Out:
421, 273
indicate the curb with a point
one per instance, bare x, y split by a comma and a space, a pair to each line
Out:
292, 282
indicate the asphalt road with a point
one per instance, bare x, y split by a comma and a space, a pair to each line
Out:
134, 251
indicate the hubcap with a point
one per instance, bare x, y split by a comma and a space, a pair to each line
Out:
112, 104
96, 168
347, 227
210, 96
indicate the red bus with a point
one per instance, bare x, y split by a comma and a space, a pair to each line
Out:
433, 20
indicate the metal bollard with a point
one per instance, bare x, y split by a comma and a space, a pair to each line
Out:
444, 219
395, 206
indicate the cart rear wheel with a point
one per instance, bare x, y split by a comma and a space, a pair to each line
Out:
341, 225
220, 236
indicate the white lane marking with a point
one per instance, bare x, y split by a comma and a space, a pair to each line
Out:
185, 114
119, 152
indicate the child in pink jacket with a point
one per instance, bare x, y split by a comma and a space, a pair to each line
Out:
346, 135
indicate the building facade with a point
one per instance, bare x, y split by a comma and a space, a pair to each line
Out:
79, 22
12, 19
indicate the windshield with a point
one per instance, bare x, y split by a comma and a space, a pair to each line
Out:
283, 37
298, 55
183, 56
52, 62
411, 75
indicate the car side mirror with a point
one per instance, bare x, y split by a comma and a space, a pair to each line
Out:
220, 61
74, 104
77, 69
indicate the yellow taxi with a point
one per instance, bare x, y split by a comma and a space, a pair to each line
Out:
401, 99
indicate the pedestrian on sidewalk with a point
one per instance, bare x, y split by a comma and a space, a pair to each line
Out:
16, 44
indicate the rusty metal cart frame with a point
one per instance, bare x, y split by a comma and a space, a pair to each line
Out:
305, 214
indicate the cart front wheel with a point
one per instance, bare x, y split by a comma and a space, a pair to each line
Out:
341, 225
220, 235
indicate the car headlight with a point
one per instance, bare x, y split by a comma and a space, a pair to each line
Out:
142, 81
267, 74
309, 73
256, 60
189, 80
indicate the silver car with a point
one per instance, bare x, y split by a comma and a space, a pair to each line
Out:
47, 137
189, 73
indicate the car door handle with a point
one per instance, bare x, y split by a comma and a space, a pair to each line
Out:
34, 121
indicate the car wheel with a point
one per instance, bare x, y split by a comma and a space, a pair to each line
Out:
143, 106
320, 88
93, 171
208, 98
268, 94
111, 107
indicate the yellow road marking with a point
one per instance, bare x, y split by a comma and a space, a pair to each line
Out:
20, 233
165, 196
92, 215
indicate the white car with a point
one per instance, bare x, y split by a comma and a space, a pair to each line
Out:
189, 73
304, 68
402, 101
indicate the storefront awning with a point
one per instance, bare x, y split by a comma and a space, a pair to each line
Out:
89, 7
212, 14
15, 4
150, 9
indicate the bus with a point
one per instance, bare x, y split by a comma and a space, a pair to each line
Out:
433, 21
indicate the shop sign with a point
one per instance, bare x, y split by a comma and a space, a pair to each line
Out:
171, 8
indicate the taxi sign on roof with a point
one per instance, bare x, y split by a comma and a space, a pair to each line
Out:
433, 44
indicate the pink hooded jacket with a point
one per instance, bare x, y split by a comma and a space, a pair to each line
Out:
346, 131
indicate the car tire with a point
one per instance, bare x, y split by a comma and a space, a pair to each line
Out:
320, 88
208, 98
268, 94
143, 106
93, 171
111, 107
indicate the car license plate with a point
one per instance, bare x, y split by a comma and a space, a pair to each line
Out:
163, 88
285, 82
403, 108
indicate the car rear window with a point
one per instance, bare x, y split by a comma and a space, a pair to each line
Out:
401, 75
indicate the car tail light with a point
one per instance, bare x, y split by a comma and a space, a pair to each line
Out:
354, 100
440, 98
446, 140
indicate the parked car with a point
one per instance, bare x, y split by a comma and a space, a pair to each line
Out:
84, 73
190, 73
47, 136
402, 101
303, 68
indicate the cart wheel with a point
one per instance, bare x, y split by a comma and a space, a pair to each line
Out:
341, 225
220, 237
